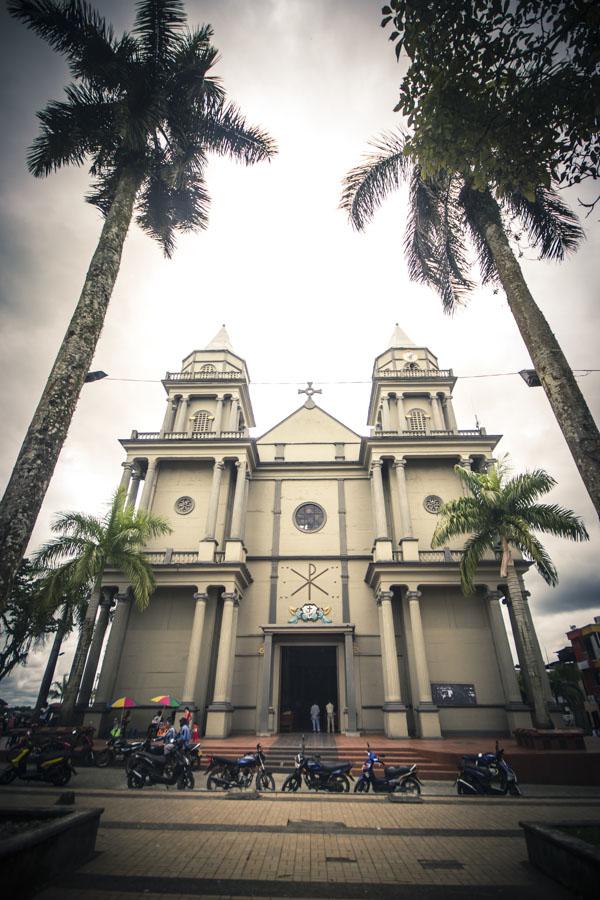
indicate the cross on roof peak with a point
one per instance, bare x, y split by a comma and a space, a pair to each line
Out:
309, 390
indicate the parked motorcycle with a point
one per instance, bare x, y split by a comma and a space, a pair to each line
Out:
487, 773
396, 779
334, 777
118, 749
30, 762
166, 768
224, 773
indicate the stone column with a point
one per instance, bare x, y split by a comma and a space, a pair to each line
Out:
426, 712
170, 414
181, 419
438, 422
149, 484
125, 477
114, 650
385, 413
449, 413
245, 507
401, 413
517, 713
213, 502
89, 673
234, 413
134, 485
350, 684
264, 699
234, 628
405, 530
218, 421
190, 683
380, 522
237, 516
466, 462
218, 720
394, 710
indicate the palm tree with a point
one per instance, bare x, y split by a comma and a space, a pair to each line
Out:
58, 689
447, 217
505, 511
85, 547
143, 110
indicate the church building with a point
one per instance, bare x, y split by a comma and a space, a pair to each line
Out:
299, 569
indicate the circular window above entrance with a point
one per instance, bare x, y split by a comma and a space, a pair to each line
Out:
309, 517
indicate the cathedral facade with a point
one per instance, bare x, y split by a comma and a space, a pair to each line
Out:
299, 569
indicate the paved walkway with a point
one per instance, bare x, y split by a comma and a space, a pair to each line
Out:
165, 844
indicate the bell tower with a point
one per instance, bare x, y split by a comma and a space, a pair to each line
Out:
410, 393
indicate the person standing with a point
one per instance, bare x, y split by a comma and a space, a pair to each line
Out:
315, 717
330, 710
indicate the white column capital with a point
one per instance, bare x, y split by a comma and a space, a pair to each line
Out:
465, 462
400, 462
231, 595
219, 464
382, 596
128, 464
376, 464
200, 595
414, 595
493, 595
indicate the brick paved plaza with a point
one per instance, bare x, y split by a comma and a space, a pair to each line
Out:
165, 844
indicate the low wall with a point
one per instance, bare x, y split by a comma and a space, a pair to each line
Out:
565, 858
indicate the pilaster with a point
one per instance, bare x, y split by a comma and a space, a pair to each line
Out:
394, 710
190, 684
426, 712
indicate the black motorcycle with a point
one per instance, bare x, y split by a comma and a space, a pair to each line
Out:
30, 762
225, 773
168, 768
334, 777
118, 749
487, 773
396, 779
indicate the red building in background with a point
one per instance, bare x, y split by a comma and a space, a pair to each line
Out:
585, 642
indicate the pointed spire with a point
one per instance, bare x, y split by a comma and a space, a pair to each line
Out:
400, 339
220, 341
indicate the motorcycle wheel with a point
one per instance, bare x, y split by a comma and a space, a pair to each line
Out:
102, 758
186, 781
59, 776
291, 784
215, 780
514, 790
135, 781
361, 787
8, 776
339, 784
264, 782
410, 786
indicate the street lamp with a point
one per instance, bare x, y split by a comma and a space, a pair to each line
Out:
530, 377
95, 376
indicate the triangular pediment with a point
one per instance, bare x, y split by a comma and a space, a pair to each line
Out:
309, 423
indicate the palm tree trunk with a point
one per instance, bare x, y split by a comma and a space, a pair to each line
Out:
52, 660
567, 401
48, 429
524, 642
67, 710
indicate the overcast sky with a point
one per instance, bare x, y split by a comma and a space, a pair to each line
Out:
303, 296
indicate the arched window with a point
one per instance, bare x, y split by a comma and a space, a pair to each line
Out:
412, 365
416, 420
201, 422
208, 367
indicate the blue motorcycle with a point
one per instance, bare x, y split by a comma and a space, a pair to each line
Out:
487, 773
318, 776
225, 773
395, 780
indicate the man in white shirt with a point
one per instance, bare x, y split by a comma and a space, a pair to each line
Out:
330, 709
315, 715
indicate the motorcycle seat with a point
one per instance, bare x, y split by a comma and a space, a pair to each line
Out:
153, 758
342, 764
225, 761
392, 771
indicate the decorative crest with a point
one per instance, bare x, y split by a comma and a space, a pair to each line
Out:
309, 390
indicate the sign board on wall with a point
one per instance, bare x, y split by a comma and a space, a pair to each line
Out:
454, 694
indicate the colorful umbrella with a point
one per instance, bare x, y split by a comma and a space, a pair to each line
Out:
165, 700
123, 703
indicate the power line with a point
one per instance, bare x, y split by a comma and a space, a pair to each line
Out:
580, 372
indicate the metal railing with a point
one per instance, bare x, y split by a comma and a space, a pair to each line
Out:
204, 376
415, 373
434, 432
185, 436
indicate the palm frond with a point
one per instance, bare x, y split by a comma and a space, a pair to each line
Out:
551, 226
526, 487
365, 187
474, 550
451, 279
457, 517
554, 519
138, 573
531, 547
157, 28
469, 198
227, 133
59, 549
422, 227
79, 525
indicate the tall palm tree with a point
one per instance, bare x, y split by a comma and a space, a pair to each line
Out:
447, 216
85, 547
505, 511
145, 113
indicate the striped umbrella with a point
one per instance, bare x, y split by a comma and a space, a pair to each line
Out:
165, 700
123, 703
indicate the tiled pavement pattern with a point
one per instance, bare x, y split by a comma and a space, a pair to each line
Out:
159, 844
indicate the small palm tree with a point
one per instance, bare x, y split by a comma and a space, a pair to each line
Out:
505, 511
146, 114
59, 689
447, 218
85, 547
